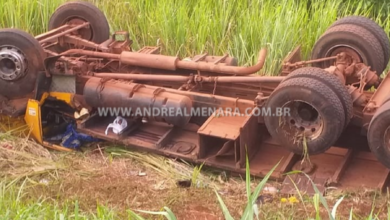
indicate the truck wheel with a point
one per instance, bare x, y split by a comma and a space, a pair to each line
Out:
330, 81
314, 111
354, 40
378, 134
371, 26
21, 58
78, 12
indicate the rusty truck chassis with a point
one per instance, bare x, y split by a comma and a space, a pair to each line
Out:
111, 74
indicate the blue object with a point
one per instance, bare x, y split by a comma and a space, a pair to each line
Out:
72, 139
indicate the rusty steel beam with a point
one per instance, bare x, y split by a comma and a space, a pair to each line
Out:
295, 64
196, 78
91, 53
243, 79
82, 42
48, 39
143, 77
44, 35
172, 63
199, 99
233, 70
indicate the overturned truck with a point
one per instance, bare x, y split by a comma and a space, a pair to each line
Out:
206, 109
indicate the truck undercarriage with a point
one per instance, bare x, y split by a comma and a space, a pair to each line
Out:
319, 115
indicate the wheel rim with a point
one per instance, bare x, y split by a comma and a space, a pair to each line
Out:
85, 33
303, 120
13, 63
351, 51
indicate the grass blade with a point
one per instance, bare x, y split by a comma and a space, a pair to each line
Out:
351, 214
225, 210
335, 206
167, 213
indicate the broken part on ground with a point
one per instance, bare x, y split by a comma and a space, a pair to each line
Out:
336, 129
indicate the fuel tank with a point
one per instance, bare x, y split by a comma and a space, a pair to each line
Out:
126, 99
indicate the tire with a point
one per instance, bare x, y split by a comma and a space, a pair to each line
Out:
354, 37
330, 81
371, 26
24, 73
377, 132
317, 94
99, 27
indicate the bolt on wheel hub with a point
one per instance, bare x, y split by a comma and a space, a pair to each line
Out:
305, 119
12, 63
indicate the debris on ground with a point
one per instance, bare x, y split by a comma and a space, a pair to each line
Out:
72, 139
184, 183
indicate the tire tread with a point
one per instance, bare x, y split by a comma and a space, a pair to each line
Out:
332, 82
327, 94
371, 26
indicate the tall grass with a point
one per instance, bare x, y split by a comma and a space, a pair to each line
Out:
186, 28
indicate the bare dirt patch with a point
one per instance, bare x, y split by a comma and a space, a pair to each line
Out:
124, 183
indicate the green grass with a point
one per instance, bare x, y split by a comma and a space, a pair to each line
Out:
186, 28
14, 204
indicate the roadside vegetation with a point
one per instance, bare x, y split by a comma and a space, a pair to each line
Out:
109, 182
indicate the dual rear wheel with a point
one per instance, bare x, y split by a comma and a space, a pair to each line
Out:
319, 108
319, 103
361, 38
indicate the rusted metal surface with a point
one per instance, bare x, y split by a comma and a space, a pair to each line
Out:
54, 31
303, 63
80, 43
172, 63
195, 79
379, 96
218, 146
225, 69
133, 97
217, 141
224, 60
46, 38
222, 141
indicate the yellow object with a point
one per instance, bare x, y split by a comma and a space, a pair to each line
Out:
290, 200
56, 147
66, 97
293, 199
34, 121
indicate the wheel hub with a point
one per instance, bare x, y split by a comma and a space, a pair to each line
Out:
305, 119
350, 51
13, 64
